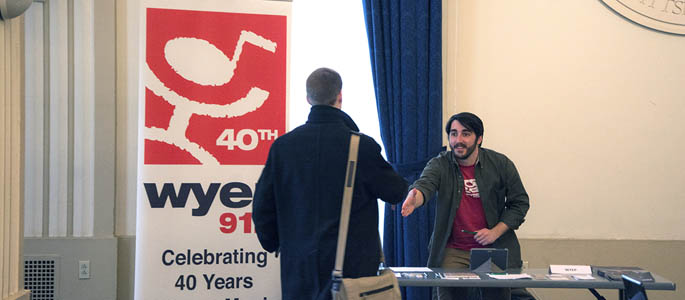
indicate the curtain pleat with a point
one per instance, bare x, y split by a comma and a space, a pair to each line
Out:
406, 61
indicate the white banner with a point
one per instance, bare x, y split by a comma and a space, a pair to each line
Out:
213, 99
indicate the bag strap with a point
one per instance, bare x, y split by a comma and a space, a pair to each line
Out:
346, 204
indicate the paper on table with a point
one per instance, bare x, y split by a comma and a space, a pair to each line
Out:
558, 277
460, 276
410, 269
583, 277
510, 276
410, 274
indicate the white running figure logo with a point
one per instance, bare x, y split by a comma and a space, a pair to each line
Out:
207, 66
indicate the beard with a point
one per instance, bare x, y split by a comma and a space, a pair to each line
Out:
467, 153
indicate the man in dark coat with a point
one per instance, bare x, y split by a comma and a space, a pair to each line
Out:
296, 207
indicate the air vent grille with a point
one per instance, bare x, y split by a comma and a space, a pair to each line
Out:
40, 277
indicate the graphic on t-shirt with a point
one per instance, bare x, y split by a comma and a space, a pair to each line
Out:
471, 188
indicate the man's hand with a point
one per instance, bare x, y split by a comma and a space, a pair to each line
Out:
414, 199
488, 236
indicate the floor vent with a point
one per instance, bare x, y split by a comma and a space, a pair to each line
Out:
40, 276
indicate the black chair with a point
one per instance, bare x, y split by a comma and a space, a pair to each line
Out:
633, 289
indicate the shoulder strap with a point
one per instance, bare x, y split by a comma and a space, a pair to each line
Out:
346, 203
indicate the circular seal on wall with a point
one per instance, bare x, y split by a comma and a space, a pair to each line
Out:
662, 15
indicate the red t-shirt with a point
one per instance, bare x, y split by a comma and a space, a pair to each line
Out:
470, 215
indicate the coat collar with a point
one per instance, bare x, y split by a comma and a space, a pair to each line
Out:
330, 114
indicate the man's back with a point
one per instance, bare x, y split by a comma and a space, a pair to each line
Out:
298, 198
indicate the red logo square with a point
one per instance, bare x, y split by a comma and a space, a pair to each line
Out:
215, 86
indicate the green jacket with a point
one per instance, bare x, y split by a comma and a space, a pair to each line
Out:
502, 193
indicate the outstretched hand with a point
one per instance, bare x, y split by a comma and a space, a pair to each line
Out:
414, 199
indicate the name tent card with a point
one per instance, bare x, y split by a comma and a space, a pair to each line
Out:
570, 269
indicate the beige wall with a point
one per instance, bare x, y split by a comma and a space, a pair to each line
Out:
587, 104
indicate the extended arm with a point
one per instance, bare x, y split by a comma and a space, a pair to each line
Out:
423, 188
381, 178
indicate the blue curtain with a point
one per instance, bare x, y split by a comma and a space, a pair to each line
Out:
405, 39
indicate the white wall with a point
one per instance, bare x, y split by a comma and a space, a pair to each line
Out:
587, 104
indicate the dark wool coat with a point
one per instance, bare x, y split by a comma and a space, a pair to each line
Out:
296, 208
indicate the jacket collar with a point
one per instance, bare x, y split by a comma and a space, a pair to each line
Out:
330, 114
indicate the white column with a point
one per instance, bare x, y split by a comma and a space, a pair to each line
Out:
84, 102
59, 119
34, 131
11, 159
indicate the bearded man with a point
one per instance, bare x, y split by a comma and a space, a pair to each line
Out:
480, 202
